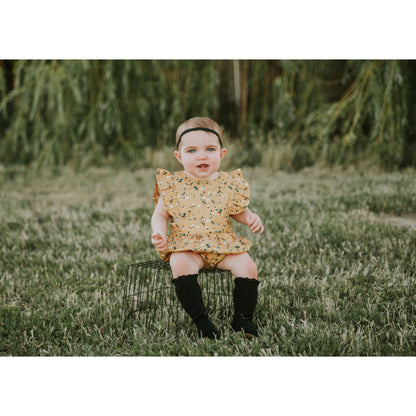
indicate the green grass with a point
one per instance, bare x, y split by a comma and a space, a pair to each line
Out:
336, 264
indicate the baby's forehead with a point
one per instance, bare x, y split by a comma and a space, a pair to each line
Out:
199, 138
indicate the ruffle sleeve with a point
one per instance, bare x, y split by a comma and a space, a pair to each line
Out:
240, 197
165, 188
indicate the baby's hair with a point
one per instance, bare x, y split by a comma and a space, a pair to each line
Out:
204, 123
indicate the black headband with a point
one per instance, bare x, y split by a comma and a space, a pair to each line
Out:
198, 128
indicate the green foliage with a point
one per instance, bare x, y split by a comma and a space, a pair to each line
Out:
84, 113
372, 116
89, 112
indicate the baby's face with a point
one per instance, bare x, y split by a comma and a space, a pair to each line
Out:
200, 154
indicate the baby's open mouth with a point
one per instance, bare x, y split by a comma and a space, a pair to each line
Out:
202, 166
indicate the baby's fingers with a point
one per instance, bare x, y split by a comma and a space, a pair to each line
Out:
256, 225
159, 241
261, 228
161, 246
157, 237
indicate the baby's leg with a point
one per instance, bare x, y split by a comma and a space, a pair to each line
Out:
245, 291
185, 268
185, 262
240, 265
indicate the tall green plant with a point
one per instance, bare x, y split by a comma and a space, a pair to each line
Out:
370, 117
92, 112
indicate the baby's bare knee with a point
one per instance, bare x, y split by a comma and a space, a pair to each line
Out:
185, 262
240, 265
251, 268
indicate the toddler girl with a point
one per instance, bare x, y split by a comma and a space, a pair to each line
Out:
200, 201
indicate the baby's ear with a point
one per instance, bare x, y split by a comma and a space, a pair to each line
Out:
223, 152
178, 156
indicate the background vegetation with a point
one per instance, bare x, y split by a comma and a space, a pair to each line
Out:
126, 112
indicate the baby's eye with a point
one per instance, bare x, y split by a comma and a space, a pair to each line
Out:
211, 149
190, 151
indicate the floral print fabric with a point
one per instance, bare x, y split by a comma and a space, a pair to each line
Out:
201, 212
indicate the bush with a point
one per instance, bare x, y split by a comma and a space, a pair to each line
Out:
104, 112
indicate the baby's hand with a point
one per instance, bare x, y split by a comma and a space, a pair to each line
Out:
255, 223
159, 241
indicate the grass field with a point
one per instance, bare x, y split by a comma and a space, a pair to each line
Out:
337, 265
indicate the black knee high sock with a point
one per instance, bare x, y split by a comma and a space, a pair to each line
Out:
189, 294
245, 300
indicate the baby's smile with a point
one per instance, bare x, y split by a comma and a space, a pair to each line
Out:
202, 166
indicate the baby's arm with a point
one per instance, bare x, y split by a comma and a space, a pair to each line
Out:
249, 218
159, 223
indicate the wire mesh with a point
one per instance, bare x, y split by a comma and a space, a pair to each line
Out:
150, 298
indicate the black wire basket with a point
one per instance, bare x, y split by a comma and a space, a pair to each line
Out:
150, 298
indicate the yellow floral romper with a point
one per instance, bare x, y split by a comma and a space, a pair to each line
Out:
201, 211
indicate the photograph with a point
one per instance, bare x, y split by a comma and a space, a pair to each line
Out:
213, 200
